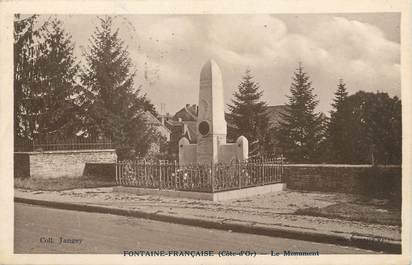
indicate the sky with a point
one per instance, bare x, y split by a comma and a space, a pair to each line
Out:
168, 52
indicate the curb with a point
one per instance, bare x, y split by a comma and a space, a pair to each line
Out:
364, 242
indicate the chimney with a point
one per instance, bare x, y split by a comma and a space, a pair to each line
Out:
162, 108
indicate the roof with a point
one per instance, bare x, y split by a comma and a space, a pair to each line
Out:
187, 113
152, 120
172, 123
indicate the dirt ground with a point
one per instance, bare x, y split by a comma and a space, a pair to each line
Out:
316, 211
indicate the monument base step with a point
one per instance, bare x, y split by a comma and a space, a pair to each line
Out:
211, 196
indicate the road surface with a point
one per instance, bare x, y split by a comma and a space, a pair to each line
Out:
41, 230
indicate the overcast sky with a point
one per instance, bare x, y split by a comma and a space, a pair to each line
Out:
169, 51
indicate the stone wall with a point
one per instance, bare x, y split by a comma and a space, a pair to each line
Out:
379, 181
21, 165
54, 164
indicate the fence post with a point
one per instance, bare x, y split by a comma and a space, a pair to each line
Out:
144, 173
238, 170
175, 174
144, 167
262, 171
212, 176
160, 175
120, 173
135, 173
281, 167
117, 174
123, 178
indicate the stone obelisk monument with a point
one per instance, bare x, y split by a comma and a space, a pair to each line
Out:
211, 124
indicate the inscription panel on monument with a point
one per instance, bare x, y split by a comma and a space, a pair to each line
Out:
205, 150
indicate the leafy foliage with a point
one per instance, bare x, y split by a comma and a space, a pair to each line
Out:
247, 116
301, 131
371, 125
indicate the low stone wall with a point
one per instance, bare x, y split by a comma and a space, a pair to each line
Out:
378, 181
21, 165
54, 164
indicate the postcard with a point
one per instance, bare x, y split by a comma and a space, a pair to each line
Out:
205, 132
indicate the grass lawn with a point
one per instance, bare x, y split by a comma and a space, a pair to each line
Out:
63, 183
376, 214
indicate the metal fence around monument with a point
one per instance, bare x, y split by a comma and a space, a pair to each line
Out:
62, 143
213, 177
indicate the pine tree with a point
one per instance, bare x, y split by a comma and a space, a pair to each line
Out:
300, 132
337, 131
25, 52
247, 116
56, 90
111, 105
44, 80
340, 95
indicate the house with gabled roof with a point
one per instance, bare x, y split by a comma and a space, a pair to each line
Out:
153, 122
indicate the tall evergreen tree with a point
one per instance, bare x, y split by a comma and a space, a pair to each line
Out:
300, 132
247, 116
57, 88
112, 106
340, 96
45, 72
337, 131
25, 52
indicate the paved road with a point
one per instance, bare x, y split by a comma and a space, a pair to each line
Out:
111, 234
